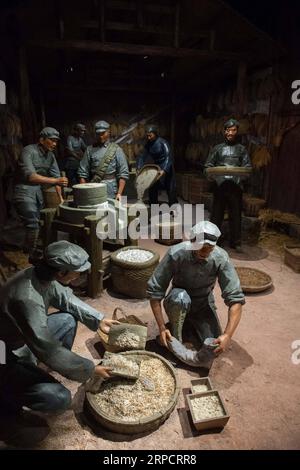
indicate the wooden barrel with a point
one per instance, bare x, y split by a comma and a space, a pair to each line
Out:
170, 233
51, 198
198, 186
252, 206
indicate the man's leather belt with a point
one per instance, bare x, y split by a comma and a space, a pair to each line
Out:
111, 176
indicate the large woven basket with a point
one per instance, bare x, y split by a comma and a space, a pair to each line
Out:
253, 280
131, 319
292, 256
142, 425
131, 279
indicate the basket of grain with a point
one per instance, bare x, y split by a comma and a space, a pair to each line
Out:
125, 406
292, 256
131, 268
124, 319
252, 206
253, 280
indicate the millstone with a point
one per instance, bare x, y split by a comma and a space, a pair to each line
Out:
89, 194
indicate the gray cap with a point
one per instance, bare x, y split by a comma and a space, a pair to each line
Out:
80, 127
101, 126
152, 128
49, 133
205, 232
231, 123
67, 256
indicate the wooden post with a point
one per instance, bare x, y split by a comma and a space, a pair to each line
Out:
177, 24
95, 249
101, 14
241, 89
173, 123
48, 234
29, 128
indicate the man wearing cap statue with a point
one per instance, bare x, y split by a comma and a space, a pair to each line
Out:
157, 151
228, 189
37, 168
105, 162
31, 335
192, 268
74, 152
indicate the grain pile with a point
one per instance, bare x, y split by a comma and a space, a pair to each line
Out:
122, 366
252, 277
135, 256
127, 340
200, 388
207, 407
149, 395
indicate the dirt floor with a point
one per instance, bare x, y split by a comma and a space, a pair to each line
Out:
256, 376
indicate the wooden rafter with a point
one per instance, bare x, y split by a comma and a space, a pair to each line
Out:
132, 49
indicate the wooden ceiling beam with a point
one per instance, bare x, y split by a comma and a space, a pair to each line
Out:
118, 26
133, 49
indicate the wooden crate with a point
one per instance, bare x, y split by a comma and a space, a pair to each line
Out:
292, 259
202, 381
209, 423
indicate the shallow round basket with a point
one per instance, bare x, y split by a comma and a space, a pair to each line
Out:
147, 424
253, 280
228, 171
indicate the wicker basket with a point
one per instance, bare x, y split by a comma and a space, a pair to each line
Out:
291, 256
131, 279
142, 425
252, 206
263, 282
131, 319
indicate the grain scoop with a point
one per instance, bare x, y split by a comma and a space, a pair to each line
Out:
146, 177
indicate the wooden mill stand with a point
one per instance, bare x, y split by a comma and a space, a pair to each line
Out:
85, 235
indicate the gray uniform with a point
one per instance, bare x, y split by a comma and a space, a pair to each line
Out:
76, 145
191, 295
118, 167
23, 319
28, 197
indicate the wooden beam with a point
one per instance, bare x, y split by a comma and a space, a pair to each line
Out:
101, 22
177, 24
140, 14
241, 89
131, 6
133, 49
121, 26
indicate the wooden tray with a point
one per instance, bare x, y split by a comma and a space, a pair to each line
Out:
228, 171
208, 423
202, 381
253, 280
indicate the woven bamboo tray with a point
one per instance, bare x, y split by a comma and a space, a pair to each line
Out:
292, 256
142, 425
253, 280
228, 171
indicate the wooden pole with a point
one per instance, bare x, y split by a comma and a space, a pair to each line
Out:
29, 130
177, 25
241, 89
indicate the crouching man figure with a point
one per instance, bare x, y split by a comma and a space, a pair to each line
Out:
31, 335
193, 267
